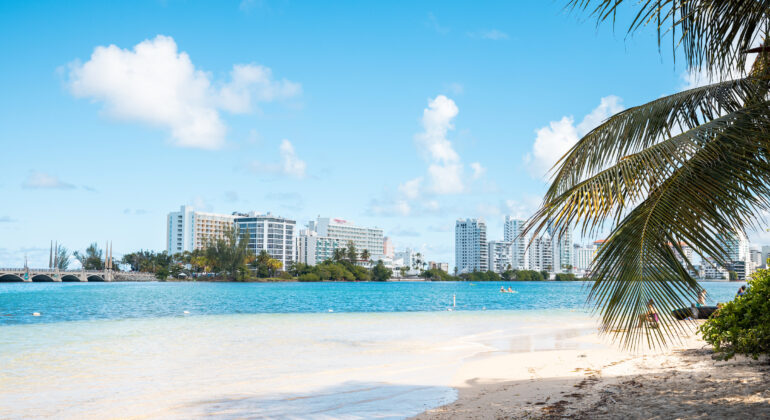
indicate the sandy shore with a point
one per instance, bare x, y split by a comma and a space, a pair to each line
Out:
682, 382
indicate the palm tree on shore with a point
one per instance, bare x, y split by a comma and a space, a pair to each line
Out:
690, 168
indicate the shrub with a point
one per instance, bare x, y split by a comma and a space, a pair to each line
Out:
742, 326
285, 275
309, 277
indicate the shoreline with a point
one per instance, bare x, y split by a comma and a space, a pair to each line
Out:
682, 381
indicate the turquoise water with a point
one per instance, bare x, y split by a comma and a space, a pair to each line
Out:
58, 302
281, 350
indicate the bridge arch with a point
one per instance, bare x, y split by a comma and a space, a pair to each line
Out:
94, 277
42, 278
70, 277
10, 278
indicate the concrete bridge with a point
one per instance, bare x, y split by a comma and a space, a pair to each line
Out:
55, 275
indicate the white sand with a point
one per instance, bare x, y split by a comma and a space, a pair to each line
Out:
680, 382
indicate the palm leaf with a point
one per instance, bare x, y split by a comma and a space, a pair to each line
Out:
637, 263
609, 193
712, 33
640, 127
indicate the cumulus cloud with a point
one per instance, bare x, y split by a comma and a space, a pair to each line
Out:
411, 189
156, 84
445, 173
290, 164
40, 180
554, 140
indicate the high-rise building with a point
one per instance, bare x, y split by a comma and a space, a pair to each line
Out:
562, 245
471, 245
755, 256
405, 258
269, 233
541, 255
312, 249
438, 265
499, 253
584, 256
188, 230
736, 248
512, 232
364, 238
387, 248
765, 255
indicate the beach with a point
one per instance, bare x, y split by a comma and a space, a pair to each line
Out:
163, 350
682, 381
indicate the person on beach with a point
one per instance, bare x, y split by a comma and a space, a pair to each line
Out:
701, 299
650, 316
741, 291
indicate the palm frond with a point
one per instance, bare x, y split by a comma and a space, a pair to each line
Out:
608, 194
640, 127
712, 33
637, 262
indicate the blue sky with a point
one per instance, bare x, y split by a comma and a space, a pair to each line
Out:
403, 115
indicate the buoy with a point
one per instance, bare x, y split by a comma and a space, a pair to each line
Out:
35, 313
331, 310
187, 312
454, 300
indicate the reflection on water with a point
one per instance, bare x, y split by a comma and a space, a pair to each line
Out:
334, 365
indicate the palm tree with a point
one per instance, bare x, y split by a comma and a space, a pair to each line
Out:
687, 168
365, 256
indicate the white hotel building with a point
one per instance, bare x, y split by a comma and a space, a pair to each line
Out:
317, 243
270, 233
471, 249
188, 230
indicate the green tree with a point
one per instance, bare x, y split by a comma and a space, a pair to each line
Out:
352, 254
91, 259
339, 255
229, 254
657, 187
733, 275
62, 258
403, 270
365, 256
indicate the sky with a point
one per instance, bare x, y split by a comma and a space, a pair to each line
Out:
402, 115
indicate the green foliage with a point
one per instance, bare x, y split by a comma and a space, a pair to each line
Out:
380, 272
437, 274
229, 255
733, 275
742, 326
91, 259
309, 277
62, 258
528, 275
352, 254
481, 276
162, 274
565, 277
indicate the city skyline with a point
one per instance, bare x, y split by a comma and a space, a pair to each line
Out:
429, 114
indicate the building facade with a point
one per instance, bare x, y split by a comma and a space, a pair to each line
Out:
471, 245
499, 253
584, 256
541, 254
269, 233
188, 230
513, 233
343, 231
312, 249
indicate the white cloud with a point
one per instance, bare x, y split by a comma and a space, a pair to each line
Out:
290, 164
397, 207
491, 34
39, 180
411, 189
445, 172
478, 170
155, 84
554, 140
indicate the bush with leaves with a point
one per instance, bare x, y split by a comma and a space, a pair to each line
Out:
742, 326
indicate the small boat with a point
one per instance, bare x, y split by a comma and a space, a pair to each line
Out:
704, 312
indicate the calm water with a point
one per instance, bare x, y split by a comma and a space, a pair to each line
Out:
387, 350
86, 301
